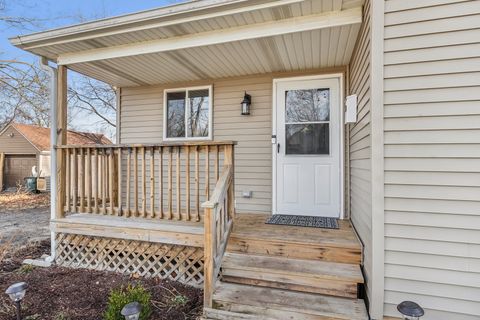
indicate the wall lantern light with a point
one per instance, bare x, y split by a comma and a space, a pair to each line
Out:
410, 310
131, 311
247, 101
16, 292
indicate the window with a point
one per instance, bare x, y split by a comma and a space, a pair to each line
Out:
188, 114
307, 121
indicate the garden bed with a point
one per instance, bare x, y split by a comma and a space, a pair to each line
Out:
76, 294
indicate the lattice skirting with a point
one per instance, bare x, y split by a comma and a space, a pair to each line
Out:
167, 261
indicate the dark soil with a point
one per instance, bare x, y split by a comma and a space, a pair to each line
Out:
77, 294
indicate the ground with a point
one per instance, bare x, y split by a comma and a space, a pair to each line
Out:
57, 293
24, 218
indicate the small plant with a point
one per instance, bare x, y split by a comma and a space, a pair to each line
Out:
26, 269
179, 300
120, 297
61, 316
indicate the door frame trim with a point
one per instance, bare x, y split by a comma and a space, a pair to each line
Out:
340, 77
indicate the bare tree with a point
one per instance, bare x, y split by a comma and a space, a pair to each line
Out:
23, 94
94, 97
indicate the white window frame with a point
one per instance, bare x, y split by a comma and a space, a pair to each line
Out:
210, 113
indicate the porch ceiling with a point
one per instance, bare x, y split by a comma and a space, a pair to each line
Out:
205, 39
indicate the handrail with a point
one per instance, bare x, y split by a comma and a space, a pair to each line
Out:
220, 188
163, 144
218, 220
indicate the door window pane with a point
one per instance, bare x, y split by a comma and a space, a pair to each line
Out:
176, 114
312, 138
198, 113
307, 105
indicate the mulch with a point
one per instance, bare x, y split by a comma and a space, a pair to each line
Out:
78, 294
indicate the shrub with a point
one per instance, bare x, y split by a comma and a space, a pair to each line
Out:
120, 297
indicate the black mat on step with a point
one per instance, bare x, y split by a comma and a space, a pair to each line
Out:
303, 221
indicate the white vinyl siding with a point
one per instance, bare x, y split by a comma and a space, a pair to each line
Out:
360, 145
432, 157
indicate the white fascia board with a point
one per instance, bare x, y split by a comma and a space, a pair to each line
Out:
246, 32
141, 21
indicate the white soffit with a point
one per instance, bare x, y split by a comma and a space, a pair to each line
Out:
250, 37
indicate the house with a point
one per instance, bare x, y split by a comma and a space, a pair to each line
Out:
195, 174
23, 146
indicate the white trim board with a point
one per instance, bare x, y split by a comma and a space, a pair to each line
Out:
340, 76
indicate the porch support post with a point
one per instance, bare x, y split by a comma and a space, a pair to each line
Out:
61, 139
2, 161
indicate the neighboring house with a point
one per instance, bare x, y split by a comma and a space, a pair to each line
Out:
24, 146
405, 173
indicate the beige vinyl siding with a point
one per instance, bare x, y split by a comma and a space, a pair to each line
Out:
141, 118
360, 142
16, 144
432, 157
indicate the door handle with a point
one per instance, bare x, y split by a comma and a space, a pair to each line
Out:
278, 147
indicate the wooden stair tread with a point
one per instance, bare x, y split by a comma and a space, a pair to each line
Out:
283, 304
252, 226
216, 314
291, 267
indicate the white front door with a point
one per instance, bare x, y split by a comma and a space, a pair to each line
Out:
308, 125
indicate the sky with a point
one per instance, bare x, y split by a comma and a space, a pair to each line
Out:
49, 14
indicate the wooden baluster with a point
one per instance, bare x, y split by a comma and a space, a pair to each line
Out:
81, 179
152, 182
74, 180
170, 160
110, 179
144, 184
187, 180
197, 182
96, 181
179, 207
229, 160
119, 178
104, 181
160, 181
88, 179
68, 179
135, 181
207, 172
129, 174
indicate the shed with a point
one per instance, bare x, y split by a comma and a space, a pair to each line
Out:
23, 146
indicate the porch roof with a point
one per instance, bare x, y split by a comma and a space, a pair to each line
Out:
205, 39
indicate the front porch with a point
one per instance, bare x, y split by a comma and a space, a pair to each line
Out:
193, 210
167, 210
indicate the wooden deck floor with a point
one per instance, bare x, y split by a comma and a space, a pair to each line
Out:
251, 226
175, 232
247, 227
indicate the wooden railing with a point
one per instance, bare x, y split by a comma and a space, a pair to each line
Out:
157, 181
219, 216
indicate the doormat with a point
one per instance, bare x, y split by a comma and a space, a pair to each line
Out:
303, 221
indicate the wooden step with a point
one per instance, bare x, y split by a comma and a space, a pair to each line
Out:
251, 235
330, 278
286, 248
215, 314
284, 304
